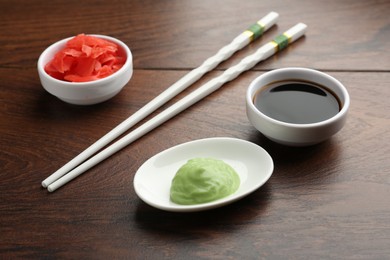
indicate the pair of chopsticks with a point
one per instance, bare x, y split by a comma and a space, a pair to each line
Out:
87, 159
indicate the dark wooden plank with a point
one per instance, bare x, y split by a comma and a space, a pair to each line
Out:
342, 35
329, 199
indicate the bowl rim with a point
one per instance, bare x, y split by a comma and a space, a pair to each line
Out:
253, 87
45, 53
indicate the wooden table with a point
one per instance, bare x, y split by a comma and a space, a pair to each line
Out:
331, 200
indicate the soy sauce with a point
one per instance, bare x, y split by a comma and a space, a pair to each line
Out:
297, 102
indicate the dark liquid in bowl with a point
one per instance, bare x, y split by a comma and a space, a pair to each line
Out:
297, 102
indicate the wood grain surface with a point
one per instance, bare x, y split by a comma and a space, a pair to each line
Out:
328, 201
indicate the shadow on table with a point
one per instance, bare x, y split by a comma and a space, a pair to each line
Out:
305, 165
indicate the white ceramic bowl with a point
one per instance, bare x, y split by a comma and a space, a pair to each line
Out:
290, 133
85, 93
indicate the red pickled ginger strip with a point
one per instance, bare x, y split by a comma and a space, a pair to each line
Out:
86, 58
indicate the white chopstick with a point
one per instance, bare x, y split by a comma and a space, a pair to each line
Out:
224, 53
279, 43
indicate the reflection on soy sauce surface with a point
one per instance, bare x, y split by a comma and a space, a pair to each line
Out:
297, 102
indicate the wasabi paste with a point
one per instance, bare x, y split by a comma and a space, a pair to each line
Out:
202, 180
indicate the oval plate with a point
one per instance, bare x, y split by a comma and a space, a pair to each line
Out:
152, 181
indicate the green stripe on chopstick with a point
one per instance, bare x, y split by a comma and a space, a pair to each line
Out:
281, 41
255, 31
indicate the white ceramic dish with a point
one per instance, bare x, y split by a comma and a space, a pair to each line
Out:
153, 179
85, 93
297, 134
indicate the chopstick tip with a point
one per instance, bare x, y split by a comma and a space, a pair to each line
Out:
44, 184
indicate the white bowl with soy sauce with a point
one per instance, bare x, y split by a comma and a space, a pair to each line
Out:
297, 106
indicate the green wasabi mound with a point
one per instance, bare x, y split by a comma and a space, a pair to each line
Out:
202, 180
